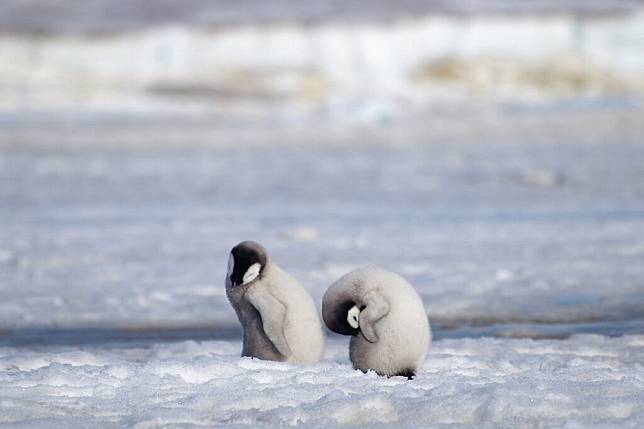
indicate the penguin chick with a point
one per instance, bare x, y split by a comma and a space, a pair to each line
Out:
278, 316
386, 318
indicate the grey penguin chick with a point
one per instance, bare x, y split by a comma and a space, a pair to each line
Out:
278, 316
386, 318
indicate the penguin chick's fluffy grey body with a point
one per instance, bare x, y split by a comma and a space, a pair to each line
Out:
386, 317
279, 319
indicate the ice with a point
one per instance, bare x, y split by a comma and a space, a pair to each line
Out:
500, 227
588, 380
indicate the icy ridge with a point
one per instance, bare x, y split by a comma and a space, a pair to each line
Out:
330, 64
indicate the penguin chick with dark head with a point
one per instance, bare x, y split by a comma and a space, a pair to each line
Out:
278, 316
386, 318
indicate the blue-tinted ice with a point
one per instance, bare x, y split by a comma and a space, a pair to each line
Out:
528, 231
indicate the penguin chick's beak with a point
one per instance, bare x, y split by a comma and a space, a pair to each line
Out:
353, 317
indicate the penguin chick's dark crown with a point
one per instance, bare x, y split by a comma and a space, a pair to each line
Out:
246, 254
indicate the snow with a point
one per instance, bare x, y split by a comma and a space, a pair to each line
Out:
588, 380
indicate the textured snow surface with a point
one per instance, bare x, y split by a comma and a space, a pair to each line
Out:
581, 382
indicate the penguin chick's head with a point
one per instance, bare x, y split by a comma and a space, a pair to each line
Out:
246, 262
341, 315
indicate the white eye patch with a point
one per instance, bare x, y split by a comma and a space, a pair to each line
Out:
251, 273
353, 317
231, 265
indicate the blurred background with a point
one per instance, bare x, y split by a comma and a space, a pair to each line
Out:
491, 152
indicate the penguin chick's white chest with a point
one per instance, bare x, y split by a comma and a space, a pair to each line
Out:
385, 315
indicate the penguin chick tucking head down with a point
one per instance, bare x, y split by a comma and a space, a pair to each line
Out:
385, 317
278, 316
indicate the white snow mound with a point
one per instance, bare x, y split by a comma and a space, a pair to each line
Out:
580, 382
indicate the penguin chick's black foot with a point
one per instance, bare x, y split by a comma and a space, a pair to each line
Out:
409, 373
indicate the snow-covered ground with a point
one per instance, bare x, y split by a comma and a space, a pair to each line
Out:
524, 222
586, 381
495, 160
